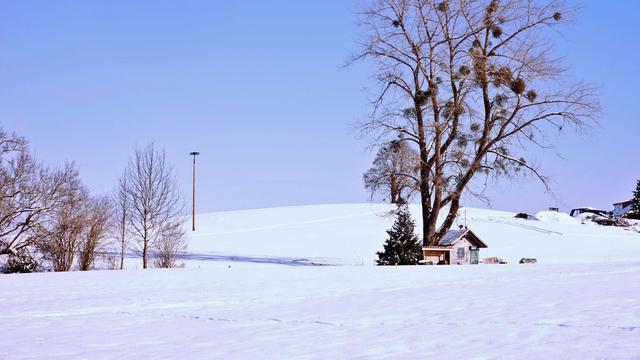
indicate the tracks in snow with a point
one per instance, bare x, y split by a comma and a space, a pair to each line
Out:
519, 225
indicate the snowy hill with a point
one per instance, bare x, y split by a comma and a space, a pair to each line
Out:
249, 309
352, 233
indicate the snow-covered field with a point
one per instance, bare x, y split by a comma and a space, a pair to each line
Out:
253, 311
352, 233
246, 293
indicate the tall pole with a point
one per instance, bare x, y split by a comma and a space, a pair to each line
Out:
193, 193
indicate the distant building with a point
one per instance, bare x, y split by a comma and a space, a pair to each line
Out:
589, 210
456, 247
622, 208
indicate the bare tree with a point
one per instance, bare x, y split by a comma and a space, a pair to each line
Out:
154, 202
97, 225
121, 219
28, 192
470, 84
60, 234
395, 172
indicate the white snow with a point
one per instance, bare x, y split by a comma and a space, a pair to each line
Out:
245, 311
557, 217
352, 233
235, 299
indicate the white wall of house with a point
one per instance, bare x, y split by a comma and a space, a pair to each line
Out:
460, 254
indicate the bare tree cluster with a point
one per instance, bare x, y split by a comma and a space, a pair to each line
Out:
59, 236
48, 210
470, 85
150, 208
76, 231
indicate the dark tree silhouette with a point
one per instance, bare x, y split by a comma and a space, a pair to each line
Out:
403, 245
635, 205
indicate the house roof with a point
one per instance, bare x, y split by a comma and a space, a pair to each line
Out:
453, 236
624, 202
588, 209
584, 208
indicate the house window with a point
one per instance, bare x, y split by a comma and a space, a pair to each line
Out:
460, 253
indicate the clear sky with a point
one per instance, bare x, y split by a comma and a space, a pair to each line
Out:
259, 88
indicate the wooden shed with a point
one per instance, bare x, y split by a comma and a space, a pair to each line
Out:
456, 247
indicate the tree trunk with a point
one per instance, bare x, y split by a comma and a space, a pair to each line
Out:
425, 194
122, 257
451, 217
144, 254
394, 194
145, 249
122, 238
425, 202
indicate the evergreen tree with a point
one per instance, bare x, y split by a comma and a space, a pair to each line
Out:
403, 246
635, 206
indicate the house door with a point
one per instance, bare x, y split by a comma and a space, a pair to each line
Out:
474, 255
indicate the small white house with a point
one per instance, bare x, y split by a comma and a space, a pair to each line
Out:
456, 247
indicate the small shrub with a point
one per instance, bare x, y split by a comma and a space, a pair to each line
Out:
21, 262
111, 263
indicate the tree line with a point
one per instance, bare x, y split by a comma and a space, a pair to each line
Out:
49, 219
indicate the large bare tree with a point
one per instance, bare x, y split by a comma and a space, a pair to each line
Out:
153, 199
471, 84
28, 192
394, 174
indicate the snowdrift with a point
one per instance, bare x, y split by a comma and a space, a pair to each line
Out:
350, 234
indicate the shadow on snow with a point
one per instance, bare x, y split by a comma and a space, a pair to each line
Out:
276, 260
250, 259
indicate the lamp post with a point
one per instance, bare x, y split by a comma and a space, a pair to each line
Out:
193, 196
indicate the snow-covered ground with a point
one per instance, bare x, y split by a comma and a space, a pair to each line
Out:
246, 293
253, 311
352, 233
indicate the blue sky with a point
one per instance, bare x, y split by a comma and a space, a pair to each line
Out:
259, 88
